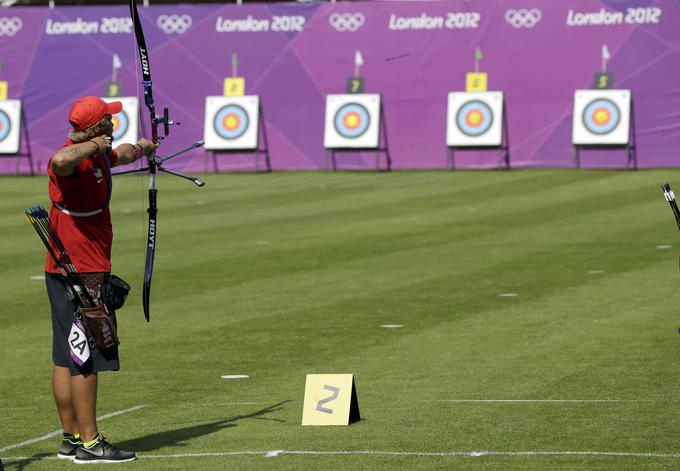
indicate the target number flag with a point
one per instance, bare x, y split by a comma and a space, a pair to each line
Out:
330, 399
474, 119
231, 123
355, 85
476, 81
10, 127
601, 117
603, 80
234, 86
3, 90
125, 123
352, 121
112, 89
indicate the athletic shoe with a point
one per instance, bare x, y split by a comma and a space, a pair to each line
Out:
67, 450
103, 452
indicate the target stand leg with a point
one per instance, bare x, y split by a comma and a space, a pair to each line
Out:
262, 133
576, 156
214, 159
27, 144
386, 146
505, 139
504, 158
450, 158
632, 147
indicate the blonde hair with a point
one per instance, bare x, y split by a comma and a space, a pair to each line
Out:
93, 131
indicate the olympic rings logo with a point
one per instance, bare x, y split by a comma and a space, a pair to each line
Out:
10, 26
523, 18
347, 21
174, 24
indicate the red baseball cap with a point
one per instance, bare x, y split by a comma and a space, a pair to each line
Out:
89, 110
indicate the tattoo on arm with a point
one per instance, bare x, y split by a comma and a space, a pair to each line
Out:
74, 152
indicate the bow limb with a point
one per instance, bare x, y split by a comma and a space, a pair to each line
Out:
152, 162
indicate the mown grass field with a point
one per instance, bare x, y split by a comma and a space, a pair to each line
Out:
276, 276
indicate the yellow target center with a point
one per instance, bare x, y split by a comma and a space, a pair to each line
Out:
231, 121
352, 120
474, 118
601, 116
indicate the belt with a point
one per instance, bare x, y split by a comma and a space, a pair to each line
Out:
77, 214
93, 281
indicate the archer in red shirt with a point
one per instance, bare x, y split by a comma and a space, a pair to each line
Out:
80, 189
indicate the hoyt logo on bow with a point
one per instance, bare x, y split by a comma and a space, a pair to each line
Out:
154, 164
144, 58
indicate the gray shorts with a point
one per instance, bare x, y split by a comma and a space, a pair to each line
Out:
62, 319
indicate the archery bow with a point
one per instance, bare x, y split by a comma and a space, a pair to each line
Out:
154, 163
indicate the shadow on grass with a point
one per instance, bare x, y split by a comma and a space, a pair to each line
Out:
20, 465
180, 436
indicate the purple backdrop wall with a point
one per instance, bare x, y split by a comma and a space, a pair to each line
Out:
414, 53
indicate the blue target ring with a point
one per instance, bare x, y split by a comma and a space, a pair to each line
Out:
601, 116
120, 124
231, 122
5, 125
352, 120
474, 118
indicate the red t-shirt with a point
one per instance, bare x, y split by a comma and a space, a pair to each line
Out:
87, 239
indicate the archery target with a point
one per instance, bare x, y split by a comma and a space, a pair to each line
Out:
231, 122
10, 126
601, 117
125, 123
352, 121
474, 119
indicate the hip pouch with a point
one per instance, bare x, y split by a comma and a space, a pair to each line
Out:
113, 292
99, 326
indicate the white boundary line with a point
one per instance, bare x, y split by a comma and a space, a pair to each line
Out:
512, 401
58, 432
472, 454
